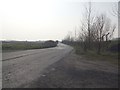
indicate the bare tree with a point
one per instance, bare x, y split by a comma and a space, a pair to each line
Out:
100, 25
85, 29
67, 38
103, 28
83, 36
89, 19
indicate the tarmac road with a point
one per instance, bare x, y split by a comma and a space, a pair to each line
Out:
21, 68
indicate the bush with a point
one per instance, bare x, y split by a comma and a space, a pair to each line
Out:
50, 43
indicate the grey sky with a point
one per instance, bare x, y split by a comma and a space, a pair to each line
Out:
44, 19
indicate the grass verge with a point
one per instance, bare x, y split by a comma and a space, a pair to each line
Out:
92, 55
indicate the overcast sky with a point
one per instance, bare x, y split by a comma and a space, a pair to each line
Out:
45, 19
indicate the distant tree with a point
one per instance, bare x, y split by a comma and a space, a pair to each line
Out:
69, 37
89, 18
57, 41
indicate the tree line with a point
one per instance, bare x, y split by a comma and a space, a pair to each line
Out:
96, 32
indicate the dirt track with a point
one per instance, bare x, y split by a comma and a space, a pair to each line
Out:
24, 67
76, 72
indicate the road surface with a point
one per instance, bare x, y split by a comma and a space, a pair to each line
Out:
23, 67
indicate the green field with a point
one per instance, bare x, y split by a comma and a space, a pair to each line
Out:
8, 46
